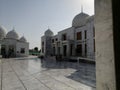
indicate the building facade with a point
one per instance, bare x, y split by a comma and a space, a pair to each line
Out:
11, 45
75, 41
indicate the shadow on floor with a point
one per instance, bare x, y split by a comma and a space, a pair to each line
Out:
85, 72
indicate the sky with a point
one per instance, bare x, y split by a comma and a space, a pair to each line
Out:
32, 18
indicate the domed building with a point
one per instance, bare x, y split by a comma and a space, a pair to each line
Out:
75, 41
2, 32
46, 41
48, 33
12, 45
12, 34
79, 20
23, 39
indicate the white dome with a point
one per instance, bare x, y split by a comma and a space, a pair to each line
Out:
79, 20
23, 39
48, 33
2, 32
12, 34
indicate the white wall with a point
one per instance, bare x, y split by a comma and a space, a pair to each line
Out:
71, 34
20, 45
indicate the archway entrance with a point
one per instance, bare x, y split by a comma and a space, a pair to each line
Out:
3, 51
64, 50
79, 50
11, 51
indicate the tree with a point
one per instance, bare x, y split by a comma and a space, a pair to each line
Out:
36, 49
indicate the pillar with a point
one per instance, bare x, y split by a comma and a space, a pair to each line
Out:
105, 59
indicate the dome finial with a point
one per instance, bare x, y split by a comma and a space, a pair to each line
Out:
81, 8
48, 27
13, 28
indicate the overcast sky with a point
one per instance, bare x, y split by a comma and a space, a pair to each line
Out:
32, 18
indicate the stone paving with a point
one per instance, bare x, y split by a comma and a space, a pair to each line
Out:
47, 74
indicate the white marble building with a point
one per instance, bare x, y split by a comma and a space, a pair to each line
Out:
75, 41
11, 45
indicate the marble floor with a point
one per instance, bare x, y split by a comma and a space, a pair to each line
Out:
46, 74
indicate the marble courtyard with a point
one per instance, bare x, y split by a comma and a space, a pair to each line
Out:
47, 74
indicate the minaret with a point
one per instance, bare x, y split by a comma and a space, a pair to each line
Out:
13, 28
81, 9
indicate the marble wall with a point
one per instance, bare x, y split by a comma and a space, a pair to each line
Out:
105, 67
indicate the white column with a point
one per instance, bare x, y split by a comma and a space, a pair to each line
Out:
105, 67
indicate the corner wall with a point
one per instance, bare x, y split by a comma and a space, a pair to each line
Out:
116, 31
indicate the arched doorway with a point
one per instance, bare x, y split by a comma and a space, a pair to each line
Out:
3, 51
11, 51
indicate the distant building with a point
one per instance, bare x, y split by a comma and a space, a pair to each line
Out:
11, 45
77, 40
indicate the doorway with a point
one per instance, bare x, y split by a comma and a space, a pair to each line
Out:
79, 50
3, 51
53, 51
71, 49
11, 51
58, 50
64, 50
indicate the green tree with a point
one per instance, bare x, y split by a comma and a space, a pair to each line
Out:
36, 49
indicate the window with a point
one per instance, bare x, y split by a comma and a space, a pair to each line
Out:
93, 31
79, 36
3, 50
22, 50
71, 49
58, 50
85, 49
85, 34
58, 43
52, 40
42, 49
64, 37
56, 39
42, 43
79, 50
54, 51
94, 45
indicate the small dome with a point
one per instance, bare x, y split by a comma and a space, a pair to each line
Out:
48, 33
90, 18
2, 32
23, 39
79, 20
12, 34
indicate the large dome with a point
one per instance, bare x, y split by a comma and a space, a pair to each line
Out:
79, 20
12, 34
2, 32
48, 33
23, 39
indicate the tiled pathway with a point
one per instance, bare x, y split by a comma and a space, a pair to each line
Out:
36, 74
